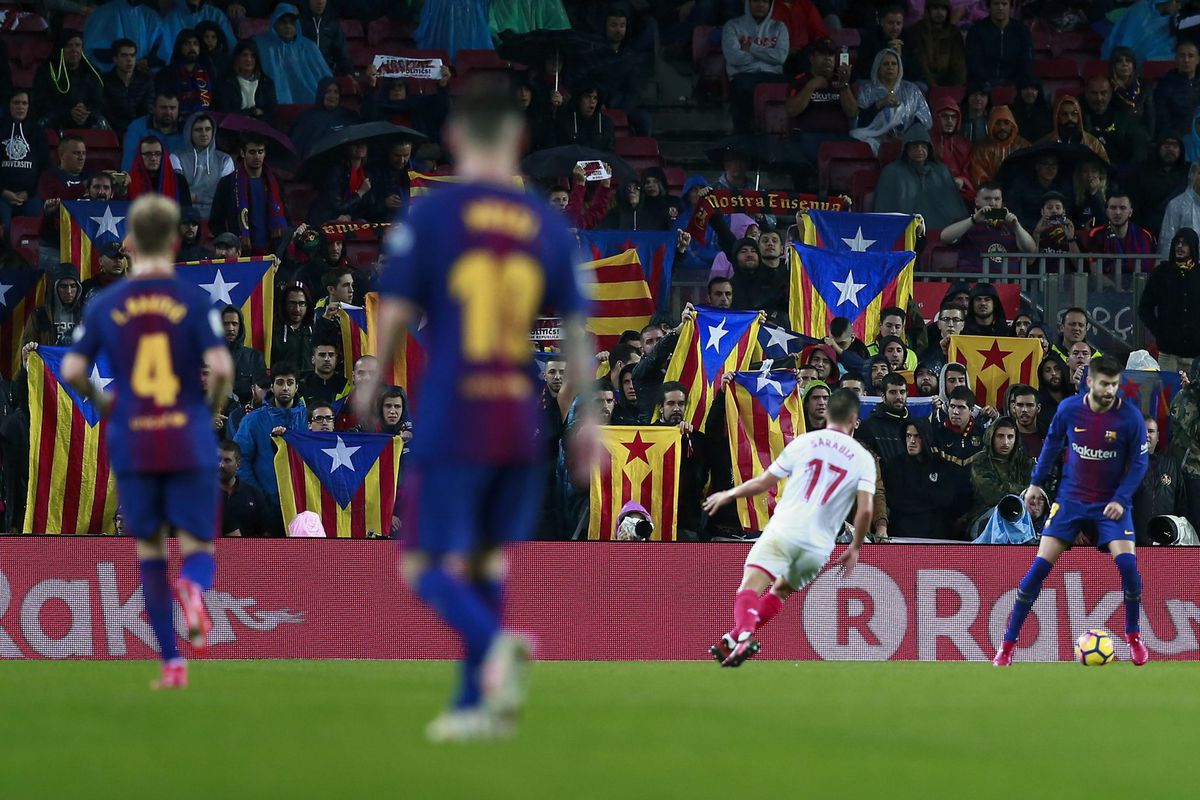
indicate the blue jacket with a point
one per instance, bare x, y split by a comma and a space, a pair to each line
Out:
139, 129
258, 452
295, 66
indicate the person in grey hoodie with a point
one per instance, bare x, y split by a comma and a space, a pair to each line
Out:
755, 47
203, 164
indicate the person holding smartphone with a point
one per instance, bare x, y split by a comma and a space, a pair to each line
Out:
992, 228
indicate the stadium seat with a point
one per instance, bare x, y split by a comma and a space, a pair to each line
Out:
389, 31
1155, 70
287, 113
362, 253
889, 151
51, 137
361, 54
862, 187
348, 85
96, 139
1091, 69
838, 163
472, 62
709, 63
846, 37
23, 234
770, 116
1056, 68
29, 50
1041, 45
1079, 45
249, 27
1061, 87
1003, 95
298, 198
956, 93
940, 259
676, 177
23, 75
703, 43
100, 160
352, 29
620, 121
639, 151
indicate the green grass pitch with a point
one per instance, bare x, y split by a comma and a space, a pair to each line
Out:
338, 729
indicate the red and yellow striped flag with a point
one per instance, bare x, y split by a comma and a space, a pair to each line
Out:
420, 183
408, 361
994, 363
716, 341
21, 292
642, 466
763, 412
246, 283
71, 488
86, 226
621, 299
347, 479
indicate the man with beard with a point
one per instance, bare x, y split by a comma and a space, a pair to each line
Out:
694, 462
949, 322
986, 232
1121, 235
1068, 128
883, 432
1163, 491
282, 410
917, 501
190, 248
187, 76
816, 401
1002, 468
1159, 178
1113, 125
877, 369
1104, 439
54, 322
1052, 388
244, 507
162, 123
986, 316
1023, 407
325, 382
925, 378
1004, 137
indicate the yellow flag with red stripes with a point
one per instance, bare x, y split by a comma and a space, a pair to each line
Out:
621, 300
640, 466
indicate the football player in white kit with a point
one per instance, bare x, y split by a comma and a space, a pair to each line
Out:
827, 472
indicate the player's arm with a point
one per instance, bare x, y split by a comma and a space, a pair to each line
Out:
394, 318
864, 510
220, 375
75, 370
750, 488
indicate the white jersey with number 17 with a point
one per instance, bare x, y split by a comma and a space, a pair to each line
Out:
825, 470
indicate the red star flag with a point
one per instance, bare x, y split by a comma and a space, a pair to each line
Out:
996, 362
641, 465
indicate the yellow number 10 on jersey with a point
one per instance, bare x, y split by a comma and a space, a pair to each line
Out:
499, 298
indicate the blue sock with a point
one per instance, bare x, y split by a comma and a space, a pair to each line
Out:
199, 569
1131, 583
157, 594
492, 592
1027, 593
464, 610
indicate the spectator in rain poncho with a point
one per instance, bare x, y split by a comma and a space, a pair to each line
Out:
295, 63
1002, 529
189, 14
1146, 29
887, 103
121, 19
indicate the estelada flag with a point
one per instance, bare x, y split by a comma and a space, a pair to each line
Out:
996, 362
858, 232
640, 465
408, 362
420, 183
347, 479
1152, 390
656, 254
248, 284
854, 285
776, 343
21, 292
621, 299
763, 412
715, 342
85, 226
71, 488
354, 326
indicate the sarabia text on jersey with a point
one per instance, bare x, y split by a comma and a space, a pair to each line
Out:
481, 262
1106, 451
825, 471
154, 333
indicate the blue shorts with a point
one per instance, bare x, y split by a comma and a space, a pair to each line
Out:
464, 509
187, 501
1070, 517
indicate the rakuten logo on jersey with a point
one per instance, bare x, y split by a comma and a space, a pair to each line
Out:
55, 618
1092, 454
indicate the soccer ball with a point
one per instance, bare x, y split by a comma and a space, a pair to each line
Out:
1094, 648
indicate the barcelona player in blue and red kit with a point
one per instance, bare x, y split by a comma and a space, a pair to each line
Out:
1105, 443
479, 260
157, 333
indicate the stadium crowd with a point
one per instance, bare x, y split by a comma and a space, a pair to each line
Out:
1055, 127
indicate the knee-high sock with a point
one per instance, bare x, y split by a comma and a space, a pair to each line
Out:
745, 612
1027, 592
768, 606
199, 568
464, 610
157, 594
1131, 584
492, 592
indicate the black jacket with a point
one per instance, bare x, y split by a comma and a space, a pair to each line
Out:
326, 30
1171, 302
1000, 56
1162, 491
763, 289
1156, 184
917, 498
248, 364
245, 510
1175, 101
315, 389
52, 107
883, 433
956, 449
229, 96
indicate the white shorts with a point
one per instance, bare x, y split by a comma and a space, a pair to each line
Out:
781, 557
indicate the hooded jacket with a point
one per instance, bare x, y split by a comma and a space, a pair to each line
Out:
999, 325
1077, 136
957, 448
203, 169
658, 209
927, 189
768, 40
722, 263
184, 16
310, 126
594, 131
939, 50
248, 364
1036, 119
1175, 100
1170, 306
875, 125
23, 154
626, 216
1157, 183
296, 66
52, 323
987, 157
835, 375
994, 476
883, 432
1162, 491
57, 89
1123, 136
1183, 211
288, 345
762, 288
916, 491
1000, 56
326, 30
952, 149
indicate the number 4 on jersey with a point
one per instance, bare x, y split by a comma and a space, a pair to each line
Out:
153, 371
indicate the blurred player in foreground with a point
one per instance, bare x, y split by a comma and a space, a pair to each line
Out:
479, 260
827, 472
1105, 463
157, 333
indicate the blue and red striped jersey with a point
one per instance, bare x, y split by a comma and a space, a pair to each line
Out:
1105, 451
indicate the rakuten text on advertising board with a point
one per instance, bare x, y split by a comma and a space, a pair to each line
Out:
66, 597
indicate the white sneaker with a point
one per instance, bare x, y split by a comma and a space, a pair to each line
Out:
506, 675
466, 725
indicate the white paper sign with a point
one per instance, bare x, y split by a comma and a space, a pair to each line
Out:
400, 67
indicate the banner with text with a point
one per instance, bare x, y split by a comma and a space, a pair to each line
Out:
724, 201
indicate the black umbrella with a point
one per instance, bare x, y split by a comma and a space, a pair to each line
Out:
558, 162
1024, 161
758, 149
534, 47
334, 142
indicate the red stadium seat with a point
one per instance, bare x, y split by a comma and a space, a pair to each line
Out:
708, 62
352, 29
1003, 95
29, 50
24, 237
839, 161
1061, 87
639, 151
1041, 45
471, 62
846, 37
389, 31
620, 121
362, 254
249, 27
676, 177
862, 186
99, 160
23, 75
703, 43
1056, 68
1079, 45
287, 113
298, 198
1155, 70
890, 151
955, 93
769, 113
361, 54
1093, 68
95, 139
940, 259
51, 136
348, 85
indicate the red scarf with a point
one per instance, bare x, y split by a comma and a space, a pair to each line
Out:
357, 176
142, 182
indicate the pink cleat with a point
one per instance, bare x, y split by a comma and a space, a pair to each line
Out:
1138, 653
174, 675
1004, 655
195, 614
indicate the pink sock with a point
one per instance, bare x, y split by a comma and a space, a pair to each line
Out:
768, 606
745, 613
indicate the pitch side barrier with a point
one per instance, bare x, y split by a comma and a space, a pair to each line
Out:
78, 597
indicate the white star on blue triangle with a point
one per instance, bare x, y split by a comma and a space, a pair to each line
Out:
218, 290
341, 455
858, 244
107, 223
